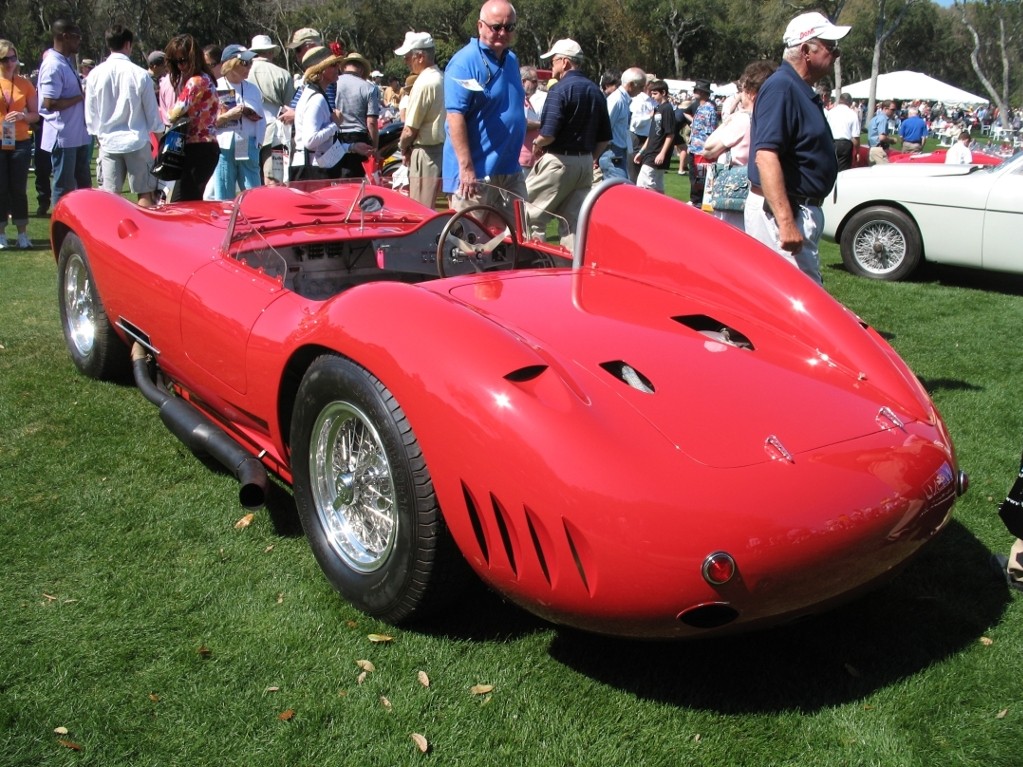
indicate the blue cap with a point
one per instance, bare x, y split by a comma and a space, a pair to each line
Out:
235, 51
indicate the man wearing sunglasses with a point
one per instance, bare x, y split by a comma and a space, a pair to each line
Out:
486, 125
63, 108
793, 163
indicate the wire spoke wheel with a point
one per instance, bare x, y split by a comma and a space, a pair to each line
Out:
353, 487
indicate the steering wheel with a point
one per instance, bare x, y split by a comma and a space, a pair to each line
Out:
453, 250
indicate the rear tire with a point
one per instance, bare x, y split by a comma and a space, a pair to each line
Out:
881, 243
95, 348
365, 496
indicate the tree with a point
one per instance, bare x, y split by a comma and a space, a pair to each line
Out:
998, 14
889, 17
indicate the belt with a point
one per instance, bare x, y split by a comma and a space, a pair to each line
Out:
795, 200
571, 152
354, 135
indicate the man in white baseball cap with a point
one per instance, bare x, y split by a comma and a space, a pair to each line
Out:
422, 138
277, 87
793, 165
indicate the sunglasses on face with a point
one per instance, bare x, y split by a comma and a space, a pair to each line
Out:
12, 57
830, 46
509, 28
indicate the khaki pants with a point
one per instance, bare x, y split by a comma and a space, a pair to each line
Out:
558, 185
425, 174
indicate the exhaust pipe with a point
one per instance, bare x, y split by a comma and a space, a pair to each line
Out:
201, 435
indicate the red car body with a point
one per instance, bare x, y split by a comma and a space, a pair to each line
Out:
936, 156
675, 435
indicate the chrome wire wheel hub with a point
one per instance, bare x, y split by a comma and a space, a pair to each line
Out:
879, 247
353, 487
78, 305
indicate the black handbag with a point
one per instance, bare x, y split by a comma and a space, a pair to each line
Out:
170, 156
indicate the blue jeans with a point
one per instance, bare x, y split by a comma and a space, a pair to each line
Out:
231, 175
14, 183
70, 170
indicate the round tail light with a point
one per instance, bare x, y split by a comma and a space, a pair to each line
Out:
719, 568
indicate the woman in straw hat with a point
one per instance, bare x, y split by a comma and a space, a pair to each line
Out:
316, 125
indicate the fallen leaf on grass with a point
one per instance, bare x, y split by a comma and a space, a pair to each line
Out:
268, 549
352, 624
284, 716
244, 521
366, 665
154, 697
380, 638
69, 744
280, 598
60, 730
361, 677
204, 651
424, 680
696, 738
987, 641
481, 689
49, 597
421, 742
272, 689
1001, 714
385, 702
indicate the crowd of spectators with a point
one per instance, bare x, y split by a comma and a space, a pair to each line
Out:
476, 131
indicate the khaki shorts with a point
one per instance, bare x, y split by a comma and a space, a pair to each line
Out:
137, 166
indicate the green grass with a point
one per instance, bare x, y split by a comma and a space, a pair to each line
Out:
138, 617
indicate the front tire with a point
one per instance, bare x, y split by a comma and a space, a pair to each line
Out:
881, 243
364, 493
95, 348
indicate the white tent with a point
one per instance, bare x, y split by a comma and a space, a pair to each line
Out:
908, 85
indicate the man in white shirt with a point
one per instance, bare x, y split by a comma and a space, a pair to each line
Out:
959, 153
845, 130
121, 111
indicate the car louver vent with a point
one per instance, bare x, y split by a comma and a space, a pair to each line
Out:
503, 539
715, 330
628, 375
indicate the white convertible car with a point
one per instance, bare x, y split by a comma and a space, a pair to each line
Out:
890, 218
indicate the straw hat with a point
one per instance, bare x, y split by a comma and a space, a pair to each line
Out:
317, 59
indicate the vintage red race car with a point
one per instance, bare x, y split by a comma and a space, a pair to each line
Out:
671, 432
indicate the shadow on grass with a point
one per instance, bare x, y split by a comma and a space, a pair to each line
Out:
959, 277
936, 607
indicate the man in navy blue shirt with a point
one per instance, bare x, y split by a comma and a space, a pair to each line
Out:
793, 155
575, 129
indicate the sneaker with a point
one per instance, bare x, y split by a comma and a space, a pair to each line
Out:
23, 241
3, 241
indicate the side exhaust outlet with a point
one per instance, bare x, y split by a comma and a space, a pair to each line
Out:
201, 435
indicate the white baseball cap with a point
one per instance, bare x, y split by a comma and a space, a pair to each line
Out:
414, 41
564, 47
808, 26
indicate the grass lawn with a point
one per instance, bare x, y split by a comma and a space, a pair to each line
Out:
139, 626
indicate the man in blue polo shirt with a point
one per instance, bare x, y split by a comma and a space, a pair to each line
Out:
913, 131
486, 125
575, 129
794, 164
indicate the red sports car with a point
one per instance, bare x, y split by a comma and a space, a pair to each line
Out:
671, 432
